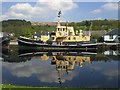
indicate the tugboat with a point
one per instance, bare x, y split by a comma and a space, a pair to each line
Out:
63, 38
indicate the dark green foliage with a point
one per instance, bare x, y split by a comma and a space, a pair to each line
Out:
44, 28
74, 25
19, 27
96, 24
22, 27
98, 37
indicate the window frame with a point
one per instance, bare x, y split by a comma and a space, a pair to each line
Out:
110, 36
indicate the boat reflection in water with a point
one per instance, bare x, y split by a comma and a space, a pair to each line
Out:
64, 62
67, 63
61, 69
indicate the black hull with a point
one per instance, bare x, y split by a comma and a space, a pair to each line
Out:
5, 40
6, 43
48, 47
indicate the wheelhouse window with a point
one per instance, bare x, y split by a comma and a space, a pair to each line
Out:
63, 29
111, 37
74, 38
69, 38
52, 38
58, 29
53, 33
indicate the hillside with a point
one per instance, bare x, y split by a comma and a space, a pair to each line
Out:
27, 28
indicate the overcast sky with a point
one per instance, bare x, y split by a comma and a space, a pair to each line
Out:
46, 10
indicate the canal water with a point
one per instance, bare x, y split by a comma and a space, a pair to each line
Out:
60, 69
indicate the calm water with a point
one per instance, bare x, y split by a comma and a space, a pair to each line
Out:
60, 69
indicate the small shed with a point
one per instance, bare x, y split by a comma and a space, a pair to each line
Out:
112, 36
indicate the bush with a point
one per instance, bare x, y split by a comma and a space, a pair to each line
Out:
99, 38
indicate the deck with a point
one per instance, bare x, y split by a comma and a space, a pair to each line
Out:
109, 44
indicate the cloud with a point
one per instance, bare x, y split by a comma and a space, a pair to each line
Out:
42, 10
43, 71
99, 18
22, 8
62, 0
18, 11
110, 6
96, 11
111, 0
110, 73
106, 7
95, 18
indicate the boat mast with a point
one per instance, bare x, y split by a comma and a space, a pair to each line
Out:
90, 28
66, 25
59, 14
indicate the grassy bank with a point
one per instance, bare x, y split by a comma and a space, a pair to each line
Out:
13, 87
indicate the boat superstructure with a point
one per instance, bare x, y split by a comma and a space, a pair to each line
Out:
63, 38
67, 35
